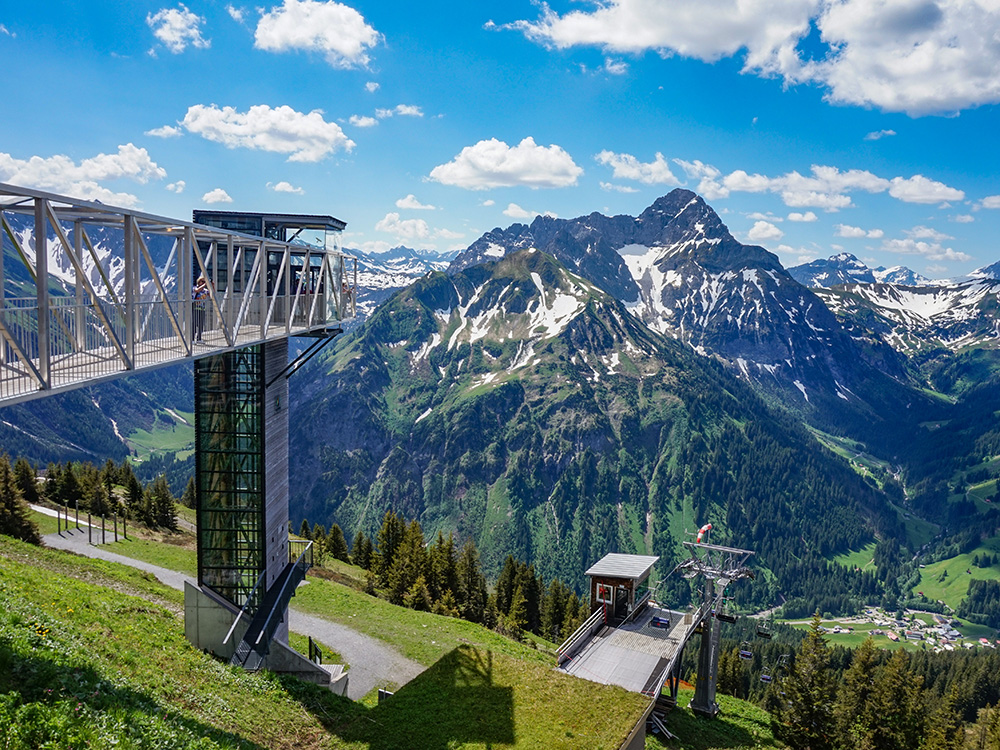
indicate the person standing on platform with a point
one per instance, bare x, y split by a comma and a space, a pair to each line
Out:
199, 296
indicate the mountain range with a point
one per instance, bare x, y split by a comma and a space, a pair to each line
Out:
573, 386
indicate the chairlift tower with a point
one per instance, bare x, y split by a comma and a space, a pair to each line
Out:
719, 566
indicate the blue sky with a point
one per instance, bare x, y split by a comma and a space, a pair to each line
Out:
811, 126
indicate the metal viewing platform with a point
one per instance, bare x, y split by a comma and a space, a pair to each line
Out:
108, 291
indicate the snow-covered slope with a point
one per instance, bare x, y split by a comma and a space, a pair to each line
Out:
911, 319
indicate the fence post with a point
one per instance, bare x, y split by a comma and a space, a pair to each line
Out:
115, 519
90, 530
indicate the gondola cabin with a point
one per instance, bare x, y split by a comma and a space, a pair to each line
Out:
619, 583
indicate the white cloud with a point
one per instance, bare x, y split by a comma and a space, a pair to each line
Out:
709, 184
615, 67
877, 135
919, 189
514, 211
176, 28
177, 187
825, 187
362, 121
931, 251
798, 255
407, 229
412, 203
167, 131
488, 202
371, 87
764, 230
7, 32
927, 233
447, 234
237, 14
757, 215
627, 167
963, 219
493, 163
990, 201
376, 246
403, 110
934, 269
618, 188
218, 195
286, 187
60, 174
808, 216
337, 31
918, 57
306, 137
846, 230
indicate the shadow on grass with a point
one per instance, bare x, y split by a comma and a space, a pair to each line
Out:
42, 701
723, 731
453, 703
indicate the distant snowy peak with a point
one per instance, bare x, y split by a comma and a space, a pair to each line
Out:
987, 272
902, 276
845, 268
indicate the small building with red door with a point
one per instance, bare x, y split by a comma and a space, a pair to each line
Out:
619, 582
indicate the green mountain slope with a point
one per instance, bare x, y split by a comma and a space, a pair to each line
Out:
524, 407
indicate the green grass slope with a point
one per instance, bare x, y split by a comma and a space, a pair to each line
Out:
93, 654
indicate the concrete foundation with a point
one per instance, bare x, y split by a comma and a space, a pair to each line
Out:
208, 618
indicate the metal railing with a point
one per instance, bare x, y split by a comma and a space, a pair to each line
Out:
569, 646
96, 315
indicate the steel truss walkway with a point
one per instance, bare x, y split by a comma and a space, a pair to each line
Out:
100, 314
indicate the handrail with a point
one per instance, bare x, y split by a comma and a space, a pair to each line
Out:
244, 609
703, 610
581, 632
300, 561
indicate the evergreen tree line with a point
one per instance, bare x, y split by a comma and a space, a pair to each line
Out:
15, 520
111, 489
982, 603
441, 578
841, 699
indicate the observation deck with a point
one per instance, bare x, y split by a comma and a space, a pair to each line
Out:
109, 291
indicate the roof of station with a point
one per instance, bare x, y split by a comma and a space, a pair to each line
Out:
616, 565
296, 221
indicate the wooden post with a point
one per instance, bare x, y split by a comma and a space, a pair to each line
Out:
115, 517
90, 530
104, 538
78, 514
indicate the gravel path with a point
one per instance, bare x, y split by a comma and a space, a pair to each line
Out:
372, 662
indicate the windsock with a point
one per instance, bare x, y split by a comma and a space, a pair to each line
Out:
703, 531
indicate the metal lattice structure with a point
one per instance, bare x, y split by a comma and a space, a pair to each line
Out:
97, 292
229, 461
718, 566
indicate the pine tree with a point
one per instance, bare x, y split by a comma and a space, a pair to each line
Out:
190, 497
442, 576
318, 534
898, 713
506, 584
471, 592
517, 618
804, 719
853, 709
15, 520
361, 551
336, 545
390, 535
409, 564
27, 481
161, 504
304, 529
945, 729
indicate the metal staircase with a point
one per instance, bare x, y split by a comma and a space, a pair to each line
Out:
256, 642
